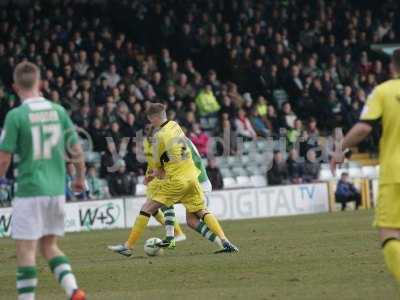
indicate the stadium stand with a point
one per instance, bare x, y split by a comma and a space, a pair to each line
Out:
273, 61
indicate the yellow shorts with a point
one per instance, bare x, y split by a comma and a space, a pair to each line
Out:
170, 191
387, 212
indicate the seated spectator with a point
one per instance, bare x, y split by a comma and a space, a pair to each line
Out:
262, 107
273, 120
228, 107
111, 76
206, 102
189, 120
108, 160
311, 167
214, 174
287, 117
244, 128
94, 183
115, 133
294, 133
122, 183
258, 124
98, 135
135, 164
347, 192
184, 89
233, 93
312, 128
278, 174
199, 139
295, 166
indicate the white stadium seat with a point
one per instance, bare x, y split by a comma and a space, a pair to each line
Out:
226, 172
140, 179
355, 172
325, 174
244, 181
140, 189
258, 180
369, 171
229, 183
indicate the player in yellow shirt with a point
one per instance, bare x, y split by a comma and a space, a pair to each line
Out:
383, 105
165, 216
176, 181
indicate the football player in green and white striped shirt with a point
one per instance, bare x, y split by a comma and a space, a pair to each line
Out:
38, 133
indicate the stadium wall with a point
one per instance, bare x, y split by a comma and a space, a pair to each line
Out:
234, 204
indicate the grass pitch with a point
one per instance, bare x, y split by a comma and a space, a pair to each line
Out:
326, 256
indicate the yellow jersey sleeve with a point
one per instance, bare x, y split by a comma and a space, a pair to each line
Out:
374, 107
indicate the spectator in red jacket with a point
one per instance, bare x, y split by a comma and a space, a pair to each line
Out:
199, 139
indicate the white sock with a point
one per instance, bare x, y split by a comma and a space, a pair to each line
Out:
69, 284
26, 296
218, 242
65, 277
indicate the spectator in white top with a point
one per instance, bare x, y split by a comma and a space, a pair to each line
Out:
82, 66
243, 126
288, 117
111, 76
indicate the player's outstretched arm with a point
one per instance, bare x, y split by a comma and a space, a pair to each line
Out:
356, 134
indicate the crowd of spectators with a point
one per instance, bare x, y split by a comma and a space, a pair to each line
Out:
219, 66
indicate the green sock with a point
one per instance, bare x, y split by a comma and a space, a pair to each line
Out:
26, 282
203, 229
62, 271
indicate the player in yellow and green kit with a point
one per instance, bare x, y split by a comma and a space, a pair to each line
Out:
177, 181
37, 133
383, 108
165, 216
205, 183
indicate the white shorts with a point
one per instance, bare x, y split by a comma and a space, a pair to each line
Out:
35, 217
207, 187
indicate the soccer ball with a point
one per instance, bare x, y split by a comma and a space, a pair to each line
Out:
151, 248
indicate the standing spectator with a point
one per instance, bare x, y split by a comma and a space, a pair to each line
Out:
347, 192
295, 166
244, 128
311, 167
199, 139
279, 173
214, 174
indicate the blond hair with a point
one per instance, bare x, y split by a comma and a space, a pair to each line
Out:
26, 75
156, 109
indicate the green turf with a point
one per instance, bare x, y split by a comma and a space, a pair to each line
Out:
326, 256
